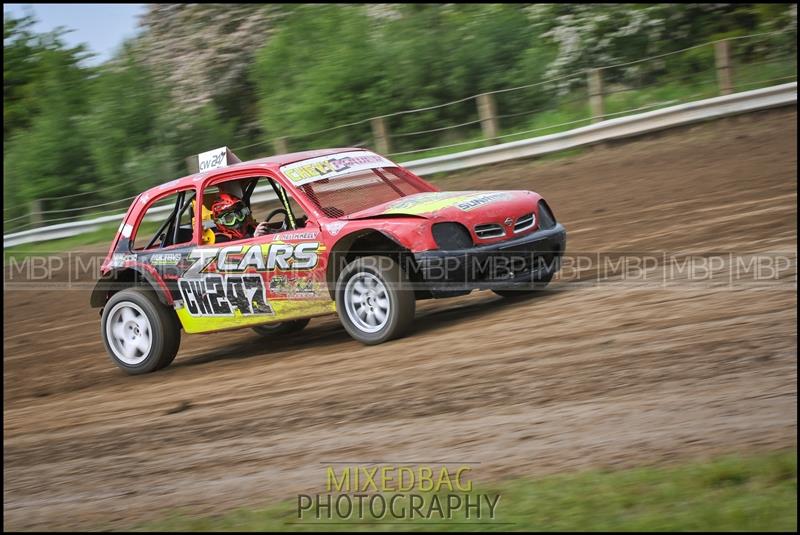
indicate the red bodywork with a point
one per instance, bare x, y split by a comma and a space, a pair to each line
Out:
412, 232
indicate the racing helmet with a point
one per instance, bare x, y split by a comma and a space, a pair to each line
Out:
232, 217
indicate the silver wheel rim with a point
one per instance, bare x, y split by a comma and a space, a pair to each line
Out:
129, 333
367, 302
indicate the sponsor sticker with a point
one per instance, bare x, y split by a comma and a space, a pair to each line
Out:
333, 165
119, 259
279, 285
303, 286
222, 295
297, 236
241, 258
425, 202
481, 200
165, 259
430, 202
293, 287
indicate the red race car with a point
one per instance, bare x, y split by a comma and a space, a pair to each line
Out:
353, 233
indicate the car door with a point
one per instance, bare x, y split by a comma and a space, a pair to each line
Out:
265, 279
165, 237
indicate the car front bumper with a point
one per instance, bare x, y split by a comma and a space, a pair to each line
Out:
514, 263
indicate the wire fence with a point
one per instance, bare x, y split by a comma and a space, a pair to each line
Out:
545, 106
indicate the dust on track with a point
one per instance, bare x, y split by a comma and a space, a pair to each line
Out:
603, 374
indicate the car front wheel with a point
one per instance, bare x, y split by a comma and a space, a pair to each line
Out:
140, 334
374, 300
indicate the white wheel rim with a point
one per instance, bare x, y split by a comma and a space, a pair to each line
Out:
129, 333
367, 302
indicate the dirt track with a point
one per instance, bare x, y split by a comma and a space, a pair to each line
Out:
605, 374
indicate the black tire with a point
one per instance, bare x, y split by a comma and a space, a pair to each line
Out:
282, 328
399, 313
164, 330
527, 291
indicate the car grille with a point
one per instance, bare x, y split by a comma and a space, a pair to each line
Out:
524, 222
489, 230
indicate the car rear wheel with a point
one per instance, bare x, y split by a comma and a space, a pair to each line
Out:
374, 300
282, 328
140, 334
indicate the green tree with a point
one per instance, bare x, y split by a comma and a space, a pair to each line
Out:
48, 158
331, 65
320, 70
20, 70
124, 125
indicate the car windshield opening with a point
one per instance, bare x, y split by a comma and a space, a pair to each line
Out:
353, 192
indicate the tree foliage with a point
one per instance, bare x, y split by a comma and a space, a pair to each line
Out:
48, 157
79, 136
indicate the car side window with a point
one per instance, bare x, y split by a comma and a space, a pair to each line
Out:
167, 222
297, 215
264, 197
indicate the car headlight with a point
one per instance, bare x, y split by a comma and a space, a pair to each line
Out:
451, 236
546, 218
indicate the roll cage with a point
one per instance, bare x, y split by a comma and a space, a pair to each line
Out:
171, 232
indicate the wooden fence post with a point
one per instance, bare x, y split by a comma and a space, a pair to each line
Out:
722, 57
36, 216
381, 134
487, 113
596, 94
281, 146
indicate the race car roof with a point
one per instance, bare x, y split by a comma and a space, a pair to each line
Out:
271, 163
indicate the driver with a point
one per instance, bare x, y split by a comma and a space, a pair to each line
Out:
234, 219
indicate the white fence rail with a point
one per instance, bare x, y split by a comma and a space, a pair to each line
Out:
631, 125
682, 114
